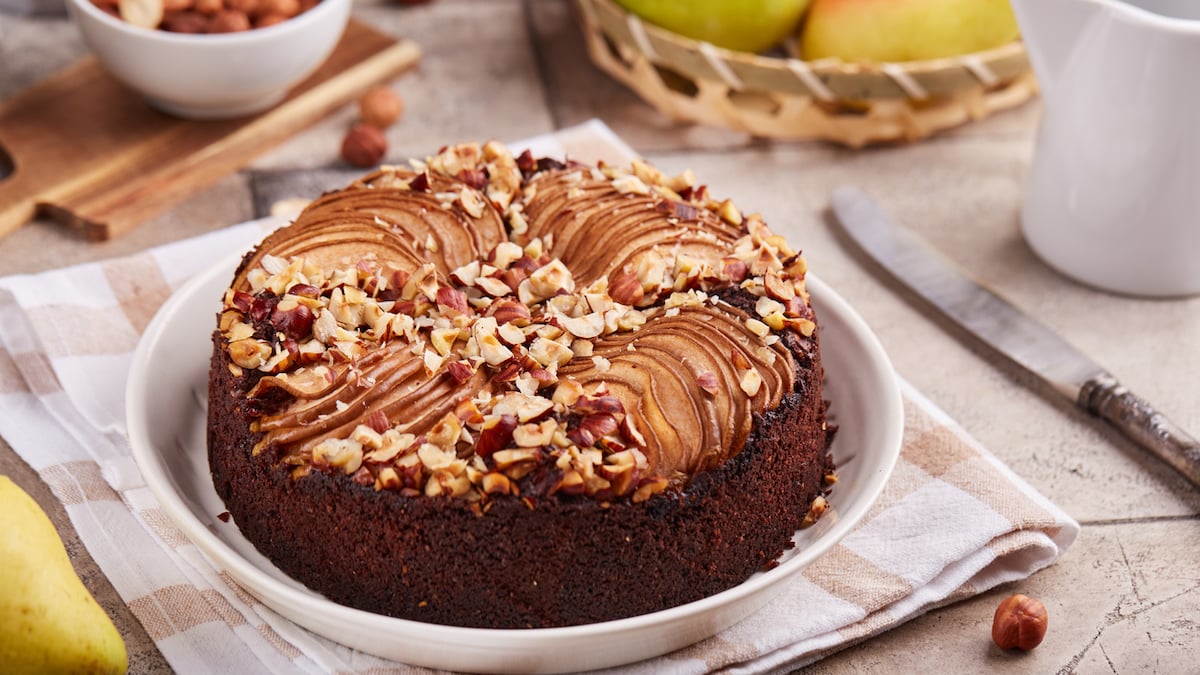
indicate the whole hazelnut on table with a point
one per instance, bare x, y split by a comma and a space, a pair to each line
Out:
380, 107
364, 146
1020, 623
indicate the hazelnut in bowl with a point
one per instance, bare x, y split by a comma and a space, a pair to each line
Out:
211, 59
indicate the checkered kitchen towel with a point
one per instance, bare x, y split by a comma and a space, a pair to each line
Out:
66, 341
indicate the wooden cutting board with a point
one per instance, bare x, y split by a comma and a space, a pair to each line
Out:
89, 152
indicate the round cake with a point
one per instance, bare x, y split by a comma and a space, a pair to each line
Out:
506, 392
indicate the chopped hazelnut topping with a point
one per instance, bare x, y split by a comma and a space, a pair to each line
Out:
819, 505
757, 327
510, 330
730, 213
249, 353
630, 184
750, 382
547, 280
535, 435
345, 454
766, 306
586, 326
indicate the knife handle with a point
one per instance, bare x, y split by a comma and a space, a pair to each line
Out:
1139, 421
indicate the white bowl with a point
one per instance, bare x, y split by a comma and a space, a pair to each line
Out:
213, 76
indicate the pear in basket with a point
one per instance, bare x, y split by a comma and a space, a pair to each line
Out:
904, 30
741, 25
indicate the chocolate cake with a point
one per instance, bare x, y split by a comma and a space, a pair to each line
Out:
494, 391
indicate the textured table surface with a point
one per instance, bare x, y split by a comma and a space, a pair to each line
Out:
1125, 598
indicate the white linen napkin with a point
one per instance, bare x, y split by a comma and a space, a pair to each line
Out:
66, 341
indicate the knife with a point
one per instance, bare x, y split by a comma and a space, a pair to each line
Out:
1011, 332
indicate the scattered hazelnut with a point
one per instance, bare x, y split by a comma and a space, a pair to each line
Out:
1020, 623
364, 146
379, 106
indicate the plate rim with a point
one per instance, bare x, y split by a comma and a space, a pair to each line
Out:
261, 583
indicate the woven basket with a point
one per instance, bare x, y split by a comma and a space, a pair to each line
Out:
787, 98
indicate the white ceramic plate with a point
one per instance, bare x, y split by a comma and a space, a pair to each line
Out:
166, 399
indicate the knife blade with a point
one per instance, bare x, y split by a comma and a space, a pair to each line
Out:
1012, 333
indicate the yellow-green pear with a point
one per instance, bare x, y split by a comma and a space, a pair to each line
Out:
49, 623
905, 30
742, 25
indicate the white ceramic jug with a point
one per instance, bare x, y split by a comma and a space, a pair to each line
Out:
1113, 197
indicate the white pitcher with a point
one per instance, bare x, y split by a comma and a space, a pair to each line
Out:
1113, 197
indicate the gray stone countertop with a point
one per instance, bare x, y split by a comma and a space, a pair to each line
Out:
1124, 599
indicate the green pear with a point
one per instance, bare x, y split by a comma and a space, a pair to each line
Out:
742, 25
905, 30
49, 623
